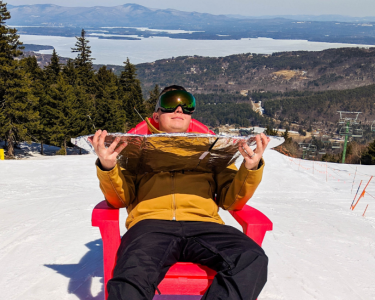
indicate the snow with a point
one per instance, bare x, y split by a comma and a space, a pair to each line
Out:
32, 150
319, 248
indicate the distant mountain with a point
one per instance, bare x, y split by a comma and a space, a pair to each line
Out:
97, 16
319, 18
137, 15
54, 20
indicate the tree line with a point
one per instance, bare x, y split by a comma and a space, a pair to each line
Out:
54, 104
322, 106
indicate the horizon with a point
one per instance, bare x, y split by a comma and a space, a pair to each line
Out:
259, 11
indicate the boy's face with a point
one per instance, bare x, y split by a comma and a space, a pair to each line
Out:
175, 121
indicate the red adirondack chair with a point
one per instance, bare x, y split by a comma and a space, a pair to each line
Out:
182, 278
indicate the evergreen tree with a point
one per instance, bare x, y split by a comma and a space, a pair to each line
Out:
37, 76
286, 136
152, 100
70, 73
51, 76
270, 131
81, 77
52, 71
368, 157
301, 131
83, 61
65, 112
131, 95
108, 112
17, 103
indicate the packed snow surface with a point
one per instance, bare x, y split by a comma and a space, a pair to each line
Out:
319, 248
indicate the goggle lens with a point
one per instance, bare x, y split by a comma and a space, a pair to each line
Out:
171, 100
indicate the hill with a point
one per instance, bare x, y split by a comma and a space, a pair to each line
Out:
332, 69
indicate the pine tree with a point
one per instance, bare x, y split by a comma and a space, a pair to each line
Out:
131, 95
270, 131
83, 61
70, 73
108, 113
84, 81
152, 100
286, 136
368, 157
37, 77
52, 71
17, 103
51, 76
65, 112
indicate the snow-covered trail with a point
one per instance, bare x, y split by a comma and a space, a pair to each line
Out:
48, 249
319, 249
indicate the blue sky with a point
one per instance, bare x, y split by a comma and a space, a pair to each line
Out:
359, 8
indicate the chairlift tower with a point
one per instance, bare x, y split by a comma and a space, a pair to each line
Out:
348, 120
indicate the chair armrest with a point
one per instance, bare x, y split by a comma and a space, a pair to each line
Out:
107, 219
103, 212
254, 223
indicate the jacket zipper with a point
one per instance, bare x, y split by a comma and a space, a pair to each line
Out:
173, 197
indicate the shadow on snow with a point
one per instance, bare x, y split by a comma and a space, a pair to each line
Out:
82, 273
91, 265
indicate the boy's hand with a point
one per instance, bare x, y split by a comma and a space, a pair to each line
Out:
107, 156
252, 158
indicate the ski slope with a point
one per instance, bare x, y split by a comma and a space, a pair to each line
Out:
319, 248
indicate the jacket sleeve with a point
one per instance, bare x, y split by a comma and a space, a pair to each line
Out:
235, 188
117, 185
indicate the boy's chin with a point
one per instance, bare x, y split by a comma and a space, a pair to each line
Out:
176, 128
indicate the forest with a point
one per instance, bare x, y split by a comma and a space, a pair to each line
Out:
332, 69
61, 101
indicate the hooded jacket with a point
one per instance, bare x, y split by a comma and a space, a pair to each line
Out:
180, 196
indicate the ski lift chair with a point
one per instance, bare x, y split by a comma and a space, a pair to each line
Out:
312, 148
182, 278
323, 150
373, 126
346, 131
357, 132
303, 146
336, 145
312, 151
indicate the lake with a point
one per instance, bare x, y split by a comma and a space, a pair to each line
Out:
110, 51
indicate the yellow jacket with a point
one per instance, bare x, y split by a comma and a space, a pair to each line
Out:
180, 196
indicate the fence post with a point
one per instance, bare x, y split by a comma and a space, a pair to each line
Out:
326, 173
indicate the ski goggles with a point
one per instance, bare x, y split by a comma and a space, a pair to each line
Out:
169, 102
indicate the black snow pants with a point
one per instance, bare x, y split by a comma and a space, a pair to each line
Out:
151, 247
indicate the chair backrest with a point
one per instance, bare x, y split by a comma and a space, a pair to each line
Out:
195, 126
